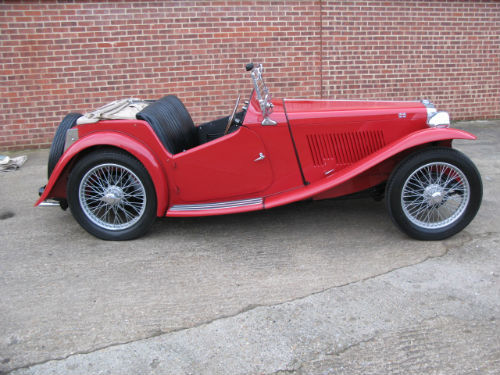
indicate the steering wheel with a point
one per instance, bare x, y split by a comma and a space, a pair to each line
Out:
231, 118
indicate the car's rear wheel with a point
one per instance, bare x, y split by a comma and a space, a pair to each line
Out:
111, 195
434, 193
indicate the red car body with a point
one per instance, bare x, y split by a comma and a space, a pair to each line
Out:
317, 149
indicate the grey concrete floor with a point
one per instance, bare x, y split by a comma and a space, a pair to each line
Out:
327, 287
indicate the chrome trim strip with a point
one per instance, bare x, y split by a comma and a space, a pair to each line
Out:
217, 205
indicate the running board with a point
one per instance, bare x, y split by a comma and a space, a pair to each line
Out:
217, 208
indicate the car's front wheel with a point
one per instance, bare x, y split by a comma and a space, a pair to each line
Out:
433, 194
111, 195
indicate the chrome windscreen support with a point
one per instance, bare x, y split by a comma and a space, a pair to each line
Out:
268, 121
262, 93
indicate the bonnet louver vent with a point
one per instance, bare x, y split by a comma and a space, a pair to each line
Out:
345, 148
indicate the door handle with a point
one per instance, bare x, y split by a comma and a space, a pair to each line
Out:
261, 157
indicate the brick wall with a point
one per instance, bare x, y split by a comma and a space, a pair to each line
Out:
58, 57
446, 51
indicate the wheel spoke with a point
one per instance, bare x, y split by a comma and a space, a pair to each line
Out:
435, 195
112, 196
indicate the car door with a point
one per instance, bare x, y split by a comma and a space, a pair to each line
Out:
231, 166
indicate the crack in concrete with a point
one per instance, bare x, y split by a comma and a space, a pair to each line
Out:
353, 345
447, 248
286, 370
292, 369
326, 354
379, 334
316, 356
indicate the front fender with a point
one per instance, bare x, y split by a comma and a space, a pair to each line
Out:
414, 139
121, 141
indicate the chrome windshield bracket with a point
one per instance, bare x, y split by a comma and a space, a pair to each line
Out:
263, 96
268, 121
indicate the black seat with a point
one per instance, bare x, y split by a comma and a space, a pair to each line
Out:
172, 123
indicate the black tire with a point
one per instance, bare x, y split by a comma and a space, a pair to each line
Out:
433, 182
180, 111
111, 195
172, 123
57, 148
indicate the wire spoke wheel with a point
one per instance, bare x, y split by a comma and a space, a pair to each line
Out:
112, 196
435, 195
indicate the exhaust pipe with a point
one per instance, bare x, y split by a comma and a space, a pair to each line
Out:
50, 203
63, 203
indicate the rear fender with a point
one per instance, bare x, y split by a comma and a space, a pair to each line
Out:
121, 141
418, 138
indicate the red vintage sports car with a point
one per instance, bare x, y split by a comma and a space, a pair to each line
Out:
122, 165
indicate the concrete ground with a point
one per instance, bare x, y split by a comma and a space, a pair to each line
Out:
328, 287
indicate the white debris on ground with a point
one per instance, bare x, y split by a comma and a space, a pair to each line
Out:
8, 164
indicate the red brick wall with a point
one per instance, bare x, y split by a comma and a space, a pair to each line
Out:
75, 56
445, 51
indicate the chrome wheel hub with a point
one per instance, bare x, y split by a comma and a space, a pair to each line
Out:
435, 195
112, 196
